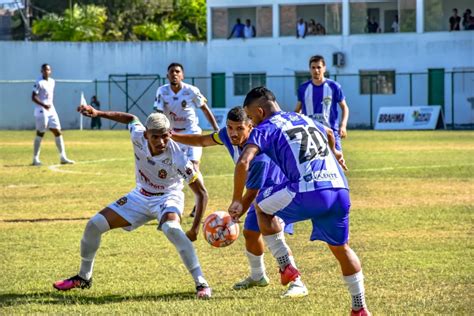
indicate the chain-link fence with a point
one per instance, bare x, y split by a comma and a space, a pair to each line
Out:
365, 94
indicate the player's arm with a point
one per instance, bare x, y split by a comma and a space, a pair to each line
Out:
344, 118
120, 117
332, 145
240, 176
298, 107
35, 99
210, 117
195, 140
201, 203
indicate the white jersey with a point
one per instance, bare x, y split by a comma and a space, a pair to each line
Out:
180, 107
163, 173
45, 91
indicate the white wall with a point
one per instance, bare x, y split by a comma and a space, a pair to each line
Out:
85, 61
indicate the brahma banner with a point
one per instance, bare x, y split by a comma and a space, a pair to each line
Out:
410, 117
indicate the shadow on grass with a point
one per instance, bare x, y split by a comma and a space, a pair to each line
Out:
62, 298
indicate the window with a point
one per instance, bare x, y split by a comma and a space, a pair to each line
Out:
439, 12
377, 82
301, 77
390, 16
320, 19
224, 19
245, 82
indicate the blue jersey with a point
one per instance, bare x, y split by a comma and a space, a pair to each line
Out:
320, 102
262, 173
299, 146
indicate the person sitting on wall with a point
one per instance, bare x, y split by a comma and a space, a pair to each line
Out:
301, 28
237, 30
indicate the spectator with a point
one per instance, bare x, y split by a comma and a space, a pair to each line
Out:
312, 27
237, 30
301, 28
468, 20
249, 29
454, 21
372, 25
320, 30
395, 26
95, 121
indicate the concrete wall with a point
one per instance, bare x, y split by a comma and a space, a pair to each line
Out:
87, 61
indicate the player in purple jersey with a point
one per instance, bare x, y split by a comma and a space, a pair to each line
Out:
317, 189
262, 173
318, 98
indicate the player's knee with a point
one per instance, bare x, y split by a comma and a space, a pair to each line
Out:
173, 231
97, 224
251, 235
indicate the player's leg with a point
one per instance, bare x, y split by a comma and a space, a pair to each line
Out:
194, 154
41, 125
254, 247
168, 213
99, 224
338, 140
55, 127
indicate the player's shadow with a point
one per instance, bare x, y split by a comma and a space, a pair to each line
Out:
58, 298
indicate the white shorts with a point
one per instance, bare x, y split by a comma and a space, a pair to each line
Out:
138, 209
46, 120
192, 153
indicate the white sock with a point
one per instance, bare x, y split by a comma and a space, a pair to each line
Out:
60, 145
178, 238
355, 284
257, 266
90, 243
280, 250
37, 147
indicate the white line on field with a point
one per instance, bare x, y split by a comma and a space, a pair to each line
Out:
56, 168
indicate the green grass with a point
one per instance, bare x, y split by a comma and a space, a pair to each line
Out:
411, 225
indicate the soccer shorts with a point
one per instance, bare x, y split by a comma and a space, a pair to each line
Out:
192, 153
138, 209
251, 222
46, 120
328, 210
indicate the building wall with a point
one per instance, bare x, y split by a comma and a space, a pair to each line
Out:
86, 61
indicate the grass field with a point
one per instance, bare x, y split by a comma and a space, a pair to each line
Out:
411, 225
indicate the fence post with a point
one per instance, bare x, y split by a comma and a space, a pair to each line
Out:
411, 90
452, 99
95, 87
371, 105
126, 93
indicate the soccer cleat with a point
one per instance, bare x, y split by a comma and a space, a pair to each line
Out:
361, 312
296, 289
65, 161
289, 274
36, 162
72, 283
203, 292
249, 282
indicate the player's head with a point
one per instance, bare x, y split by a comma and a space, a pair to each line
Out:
248, 22
157, 132
46, 70
317, 67
238, 21
455, 11
238, 126
175, 73
259, 104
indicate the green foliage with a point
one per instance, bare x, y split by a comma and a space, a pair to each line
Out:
81, 23
166, 31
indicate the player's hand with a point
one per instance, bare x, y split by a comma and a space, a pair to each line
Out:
87, 110
46, 106
235, 210
340, 159
343, 132
192, 234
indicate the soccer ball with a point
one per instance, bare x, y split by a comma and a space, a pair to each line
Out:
220, 230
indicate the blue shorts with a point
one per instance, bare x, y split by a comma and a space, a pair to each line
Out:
338, 140
328, 210
251, 222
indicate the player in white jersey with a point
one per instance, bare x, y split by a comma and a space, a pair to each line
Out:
46, 116
178, 100
160, 167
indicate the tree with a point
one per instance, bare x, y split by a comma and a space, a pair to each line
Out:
165, 31
80, 23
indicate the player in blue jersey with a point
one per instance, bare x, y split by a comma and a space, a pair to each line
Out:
319, 97
316, 189
262, 173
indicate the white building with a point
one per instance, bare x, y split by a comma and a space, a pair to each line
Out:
424, 46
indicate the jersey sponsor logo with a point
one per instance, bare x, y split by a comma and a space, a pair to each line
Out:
137, 144
175, 98
174, 117
323, 175
166, 161
267, 192
162, 174
122, 201
145, 179
150, 161
183, 104
186, 92
327, 101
